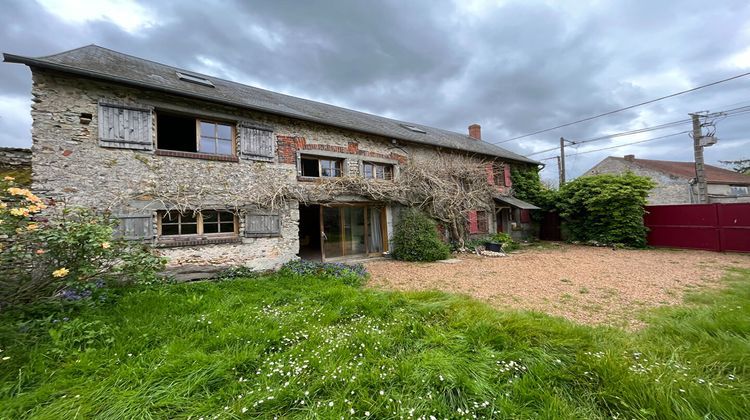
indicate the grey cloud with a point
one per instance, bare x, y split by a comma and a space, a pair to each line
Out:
516, 68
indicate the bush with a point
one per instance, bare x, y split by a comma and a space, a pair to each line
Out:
351, 274
416, 238
67, 257
606, 208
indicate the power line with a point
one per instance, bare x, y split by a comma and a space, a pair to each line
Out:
626, 144
625, 108
720, 114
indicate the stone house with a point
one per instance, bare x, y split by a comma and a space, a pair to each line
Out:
676, 180
189, 162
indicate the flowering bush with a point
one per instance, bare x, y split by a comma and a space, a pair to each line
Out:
75, 251
350, 274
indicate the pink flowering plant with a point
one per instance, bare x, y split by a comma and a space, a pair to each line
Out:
64, 256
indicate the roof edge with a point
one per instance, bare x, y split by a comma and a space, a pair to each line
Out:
39, 62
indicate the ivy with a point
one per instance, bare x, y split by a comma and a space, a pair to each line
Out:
606, 208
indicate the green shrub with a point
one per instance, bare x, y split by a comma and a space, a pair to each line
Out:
606, 208
68, 257
416, 238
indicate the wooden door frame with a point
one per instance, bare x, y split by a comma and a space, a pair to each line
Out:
342, 230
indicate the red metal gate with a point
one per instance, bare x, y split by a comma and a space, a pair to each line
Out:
714, 227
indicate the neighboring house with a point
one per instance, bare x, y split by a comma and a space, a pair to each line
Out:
148, 141
676, 180
16, 163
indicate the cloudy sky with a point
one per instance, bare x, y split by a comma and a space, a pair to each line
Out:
514, 67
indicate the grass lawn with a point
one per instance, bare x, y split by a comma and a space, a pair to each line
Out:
316, 348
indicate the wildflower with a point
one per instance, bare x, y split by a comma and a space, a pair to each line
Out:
3, 205
105, 245
61, 272
9, 179
18, 211
367, 414
40, 251
32, 226
330, 404
6, 357
244, 409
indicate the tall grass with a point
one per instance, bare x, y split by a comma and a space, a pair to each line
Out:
314, 348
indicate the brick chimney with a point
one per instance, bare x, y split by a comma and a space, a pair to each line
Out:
475, 131
630, 158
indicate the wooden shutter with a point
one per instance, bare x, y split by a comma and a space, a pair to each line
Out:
135, 228
256, 143
259, 225
473, 228
508, 181
125, 127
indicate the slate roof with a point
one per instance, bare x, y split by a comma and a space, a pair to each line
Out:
101, 63
714, 175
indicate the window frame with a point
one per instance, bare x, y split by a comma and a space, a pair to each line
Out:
391, 167
341, 163
197, 120
232, 136
740, 190
200, 229
482, 222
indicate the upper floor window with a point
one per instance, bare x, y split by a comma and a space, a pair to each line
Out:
739, 189
313, 166
189, 134
372, 170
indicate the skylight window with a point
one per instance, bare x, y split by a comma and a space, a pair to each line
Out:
413, 128
195, 79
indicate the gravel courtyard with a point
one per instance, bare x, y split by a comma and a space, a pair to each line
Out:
584, 284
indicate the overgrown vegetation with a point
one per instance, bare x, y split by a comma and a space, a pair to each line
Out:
279, 346
415, 238
606, 208
527, 186
66, 257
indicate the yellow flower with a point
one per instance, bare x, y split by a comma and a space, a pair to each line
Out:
19, 191
9, 178
3, 205
18, 212
33, 209
105, 245
32, 226
62, 272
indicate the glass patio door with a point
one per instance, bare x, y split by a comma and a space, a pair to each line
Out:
345, 231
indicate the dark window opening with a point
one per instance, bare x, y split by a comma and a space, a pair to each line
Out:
321, 167
310, 167
175, 132
482, 222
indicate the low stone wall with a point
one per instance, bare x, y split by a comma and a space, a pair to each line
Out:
14, 157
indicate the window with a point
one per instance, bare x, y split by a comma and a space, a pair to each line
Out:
215, 138
188, 134
739, 190
377, 170
482, 222
321, 167
206, 223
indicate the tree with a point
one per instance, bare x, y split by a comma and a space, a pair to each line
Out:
742, 166
606, 208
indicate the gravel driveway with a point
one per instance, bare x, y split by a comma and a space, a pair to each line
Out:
584, 284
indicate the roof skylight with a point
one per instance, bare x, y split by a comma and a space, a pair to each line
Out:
194, 79
413, 128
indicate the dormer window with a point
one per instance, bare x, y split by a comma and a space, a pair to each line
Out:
194, 79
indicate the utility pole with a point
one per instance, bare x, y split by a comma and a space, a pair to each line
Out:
559, 170
700, 173
561, 161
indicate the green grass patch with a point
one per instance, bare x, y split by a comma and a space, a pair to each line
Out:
310, 348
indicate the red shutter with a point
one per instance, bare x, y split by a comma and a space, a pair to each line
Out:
490, 174
508, 182
525, 216
473, 228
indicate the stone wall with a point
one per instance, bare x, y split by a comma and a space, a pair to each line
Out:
669, 190
71, 167
14, 157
